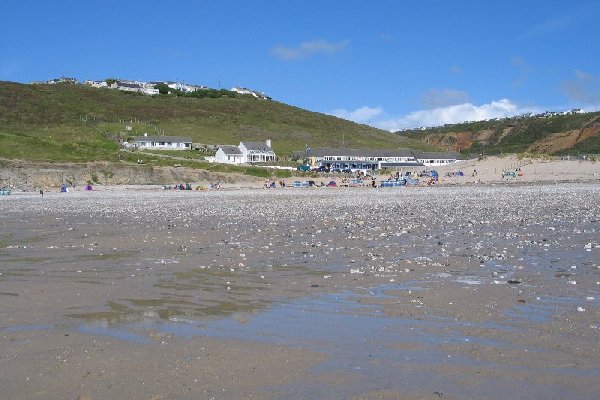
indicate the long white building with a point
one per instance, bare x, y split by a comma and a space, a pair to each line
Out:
366, 159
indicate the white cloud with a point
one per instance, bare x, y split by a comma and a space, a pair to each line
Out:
309, 49
435, 98
452, 114
583, 88
360, 115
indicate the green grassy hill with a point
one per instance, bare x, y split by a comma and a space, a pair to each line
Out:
78, 123
555, 135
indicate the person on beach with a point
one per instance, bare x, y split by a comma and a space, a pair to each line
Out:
42, 192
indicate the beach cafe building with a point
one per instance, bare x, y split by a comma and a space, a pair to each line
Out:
365, 160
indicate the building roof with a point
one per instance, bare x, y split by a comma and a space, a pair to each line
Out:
401, 164
332, 152
437, 155
388, 153
171, 139
258, 146
232, 150
129, 85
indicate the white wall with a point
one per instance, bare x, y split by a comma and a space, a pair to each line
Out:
221, 157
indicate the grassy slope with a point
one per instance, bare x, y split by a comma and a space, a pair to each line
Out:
525, 132
44, 122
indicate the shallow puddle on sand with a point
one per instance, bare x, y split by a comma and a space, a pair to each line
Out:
548, 307
131, 310
366, 349
116, 333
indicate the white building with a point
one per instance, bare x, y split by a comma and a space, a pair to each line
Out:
246, 153
434, 159
366, 159
129, 86
62, 79
242, 90
163, 142
96, 84
150, 90
184, 87
257, 152
229, 155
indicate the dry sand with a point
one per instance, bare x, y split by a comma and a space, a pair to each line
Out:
25, 176
455, 291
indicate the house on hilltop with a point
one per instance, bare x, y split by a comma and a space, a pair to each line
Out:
96, 84
62, 79
184, 87
257, 94
134, 87
163, 142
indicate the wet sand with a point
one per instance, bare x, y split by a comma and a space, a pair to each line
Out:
399, 293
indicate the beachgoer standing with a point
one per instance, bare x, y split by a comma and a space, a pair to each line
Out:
42, 192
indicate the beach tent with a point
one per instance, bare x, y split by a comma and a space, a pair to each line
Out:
332, 184
88, 187
64, 189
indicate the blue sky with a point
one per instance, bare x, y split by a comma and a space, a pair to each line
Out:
390, 64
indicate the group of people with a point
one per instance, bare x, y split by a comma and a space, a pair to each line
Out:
270, 184
188, 186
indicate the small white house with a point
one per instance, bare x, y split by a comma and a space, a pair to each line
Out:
62, 79
184, 87
96, 84
150, 90
255, 93
130, 86
257, 152
229, 155
246, 152
163, 142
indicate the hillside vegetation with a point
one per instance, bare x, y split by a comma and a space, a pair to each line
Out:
78, 123
554, 135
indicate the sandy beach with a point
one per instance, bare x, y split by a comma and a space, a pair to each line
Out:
476, 288
23, 176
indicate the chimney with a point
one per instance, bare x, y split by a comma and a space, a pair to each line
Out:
268, 141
